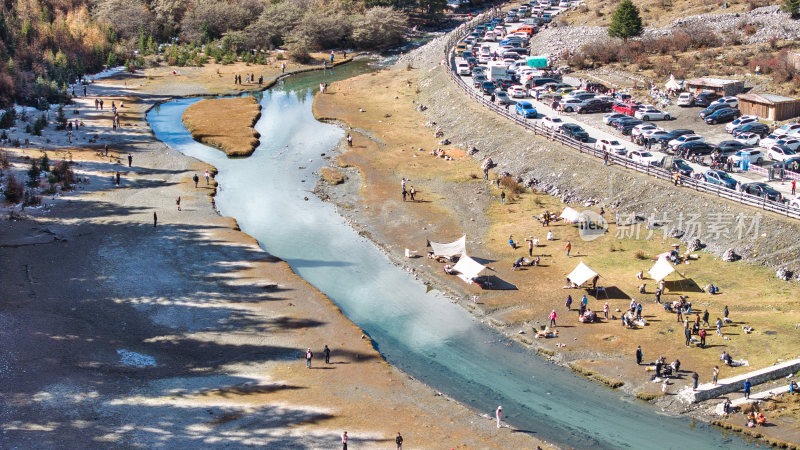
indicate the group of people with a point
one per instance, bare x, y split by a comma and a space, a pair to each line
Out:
310, 355
250, 78
411, 192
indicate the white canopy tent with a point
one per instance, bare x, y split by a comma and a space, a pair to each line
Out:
467, 268
571, 215
661, 269
453, 248
581, 274
673, 84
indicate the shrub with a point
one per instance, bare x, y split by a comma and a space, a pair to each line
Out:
8, 118
14, 190
31, 199
639, 254
33, 174
510, 184
749, 30
44, 163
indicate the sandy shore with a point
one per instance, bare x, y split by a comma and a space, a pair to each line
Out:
117, 332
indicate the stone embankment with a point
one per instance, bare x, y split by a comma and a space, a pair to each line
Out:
758, 237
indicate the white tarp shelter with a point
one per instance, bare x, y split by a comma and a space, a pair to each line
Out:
467, 268
581, 274
661, 269
570, 215
447, 250
673, 84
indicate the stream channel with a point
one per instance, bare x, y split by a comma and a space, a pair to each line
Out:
418, 330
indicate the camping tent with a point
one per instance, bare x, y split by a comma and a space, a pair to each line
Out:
581, 274
570, 215
673, 84
454, 248
468, 268
661, 269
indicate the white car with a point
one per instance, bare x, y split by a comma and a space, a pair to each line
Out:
552, 122
743, 120
731, 101
754, 155
654, 134
780, 153
569, 105
611, 116
517, 92
612, 146
463, 68
749, 138
639, 129
768, 141
644, 157
685, 99
794, 201
790, 143
786, 129
651, 113
684, 139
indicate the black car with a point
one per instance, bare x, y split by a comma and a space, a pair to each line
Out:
762, 190
681, 166
729, 148
618, 120
595, 105
488, 87
626, 127
695, 148
503, 83
472, 61
711, 109
574, 131
722, 115
753, 127
477, 80
705, 98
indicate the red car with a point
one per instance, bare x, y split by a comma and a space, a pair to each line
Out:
626, 108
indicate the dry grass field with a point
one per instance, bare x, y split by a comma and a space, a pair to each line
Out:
225, 123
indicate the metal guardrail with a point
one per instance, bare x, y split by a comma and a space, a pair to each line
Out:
658, 172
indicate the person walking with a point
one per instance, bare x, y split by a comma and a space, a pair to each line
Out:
344, 440
196, 179
714, 375
130, 159
725, 312
411, 193
568, 247
605, 310
310, 355
794, 185
283, 67
499, 414
208, 175
702, 334
118, 177
327, 353
705, 318
747, 387
399, 441
719, 326
530, 246
639, 355
658, 295
695, 380
404, 194
569, 303
178, 202
106, 147
688, 333
553, 318
349, 140
502, 197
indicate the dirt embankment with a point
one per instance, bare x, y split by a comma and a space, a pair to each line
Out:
225, 123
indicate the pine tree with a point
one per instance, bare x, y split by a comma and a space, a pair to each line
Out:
626, 21
792, 7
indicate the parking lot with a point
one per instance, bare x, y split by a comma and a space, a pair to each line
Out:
592, 123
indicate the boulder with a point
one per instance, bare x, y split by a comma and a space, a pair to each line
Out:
730, 256
784, 274
694, 245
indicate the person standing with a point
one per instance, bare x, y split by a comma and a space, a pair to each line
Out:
569, 303
130, 159
747, 387
196, 179
331, 56
714, 375
568, 247
404, 194
118, 176
553, 318
399, 441
584, 301
207, 177
794, 185
411, 193
349, 140
639, 355
310, 355
499, 414
705, 318
283, 67
530, 246
695, 380
155, 219
327, 352
344, 440
725, 312
702, 334
719, 326
106, 147
178, 202
688, 333
502, 197
605, 310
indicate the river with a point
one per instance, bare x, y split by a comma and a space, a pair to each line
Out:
421, 332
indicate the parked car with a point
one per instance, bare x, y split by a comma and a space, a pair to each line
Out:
552, 122
608, 145
705, 98
569, 104
595, 105
762, 190
502, 98
626, 126
626, 108
695, 149
753, 155
722, 115
720, 178
780, 153
790, 143
794, 201
608, 117
642, 127
525, 109
711, 109
749, 139
731, 101
517, 92
740, 121
681, 167
463, 68
644, 157
730, 147
651, 113
488, 87
574, 131
787, 129
685, 99
680, 140
478, 80
674, 134
755, 127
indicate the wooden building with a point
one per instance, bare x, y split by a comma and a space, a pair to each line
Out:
717, 85
768, 106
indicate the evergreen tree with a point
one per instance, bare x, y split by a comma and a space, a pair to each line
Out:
792, 7
626, 21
